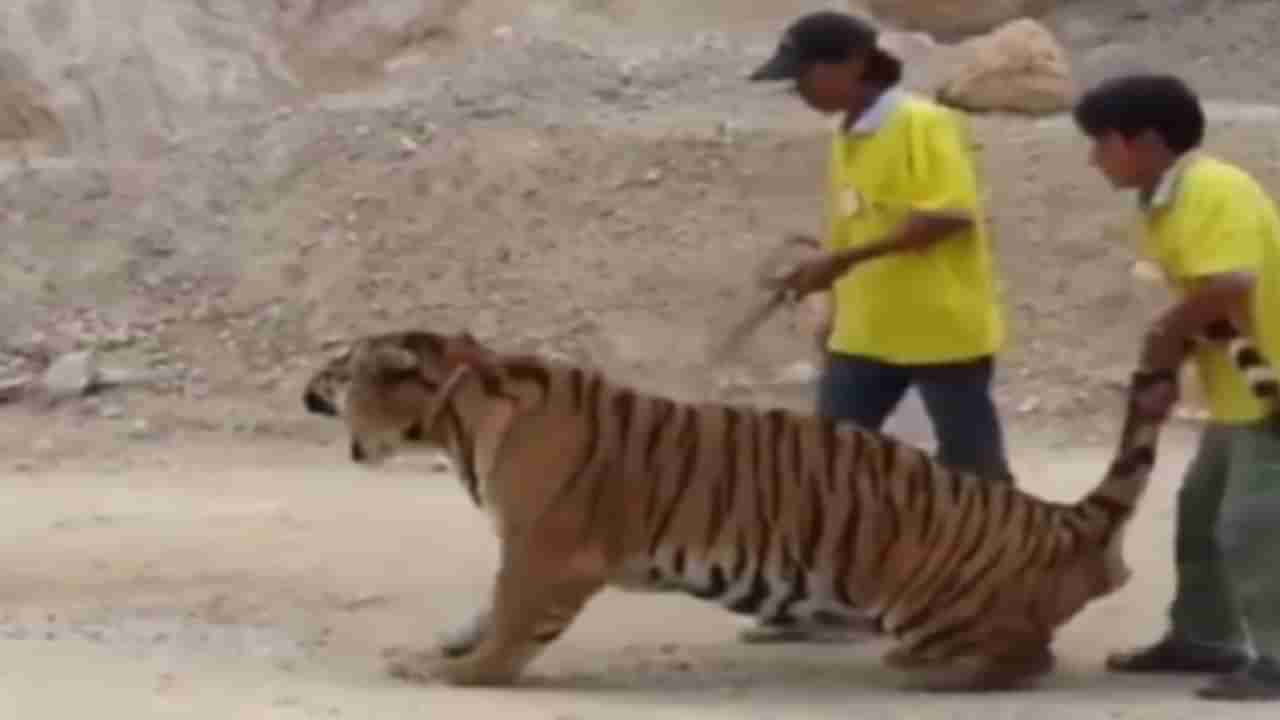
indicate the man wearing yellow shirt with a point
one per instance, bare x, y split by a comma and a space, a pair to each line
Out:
1215, 234
908, 259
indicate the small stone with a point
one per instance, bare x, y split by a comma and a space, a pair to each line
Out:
13, 389
485, 325
1029, 405
797, 373
113, 377
141, 429
111, 411
71, 375
1147, 271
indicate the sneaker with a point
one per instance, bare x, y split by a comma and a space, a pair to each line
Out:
1260, 680
1172, 656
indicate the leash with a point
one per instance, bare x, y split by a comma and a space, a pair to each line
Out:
766, 273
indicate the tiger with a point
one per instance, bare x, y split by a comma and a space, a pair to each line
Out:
767, 512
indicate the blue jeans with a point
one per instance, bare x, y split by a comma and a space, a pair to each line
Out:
957, 397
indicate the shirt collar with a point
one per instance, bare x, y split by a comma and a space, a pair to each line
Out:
1165, 189
875, 116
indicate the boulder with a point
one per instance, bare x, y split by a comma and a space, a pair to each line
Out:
25, 113
1017, 68
71, 375
334, 45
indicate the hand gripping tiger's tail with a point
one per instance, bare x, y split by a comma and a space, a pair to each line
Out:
1128, 476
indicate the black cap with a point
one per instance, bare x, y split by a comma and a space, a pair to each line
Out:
825, 36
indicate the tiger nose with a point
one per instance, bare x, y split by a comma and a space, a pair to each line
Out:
357, 452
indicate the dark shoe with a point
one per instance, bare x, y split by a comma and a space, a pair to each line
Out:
1171, 656
1260, 680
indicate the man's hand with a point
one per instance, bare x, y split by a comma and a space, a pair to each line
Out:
1215, 296
917, 234
1163, 349
810, 276
803, 240
1158, 400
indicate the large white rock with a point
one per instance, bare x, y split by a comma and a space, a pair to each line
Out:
1019, 68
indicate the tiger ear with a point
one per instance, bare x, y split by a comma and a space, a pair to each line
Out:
466, 350
389, 362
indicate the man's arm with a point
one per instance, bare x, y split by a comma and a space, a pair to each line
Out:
944, 185
920, 231
1222, 295
1217, 256
943, 197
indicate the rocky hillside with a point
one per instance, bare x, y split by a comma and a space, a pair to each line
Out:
219, 191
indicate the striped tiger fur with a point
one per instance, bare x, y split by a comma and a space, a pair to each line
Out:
1260, 376
767, 512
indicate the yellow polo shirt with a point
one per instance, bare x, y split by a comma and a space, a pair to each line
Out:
1208, 217
939, 305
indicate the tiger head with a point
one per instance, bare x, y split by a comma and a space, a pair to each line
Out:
389, 390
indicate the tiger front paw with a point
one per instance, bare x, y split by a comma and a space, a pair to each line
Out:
463, 639
432, 667
418, 666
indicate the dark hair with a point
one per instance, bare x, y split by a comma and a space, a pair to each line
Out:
1131, 104
883, 70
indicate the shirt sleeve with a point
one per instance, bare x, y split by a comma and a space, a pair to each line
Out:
942, 166
1223, 238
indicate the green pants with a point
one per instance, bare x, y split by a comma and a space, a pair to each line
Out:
1228, 540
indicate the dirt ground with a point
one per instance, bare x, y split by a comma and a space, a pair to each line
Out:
266, 578
586, 179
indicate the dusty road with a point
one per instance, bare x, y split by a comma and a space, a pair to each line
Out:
264, 582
